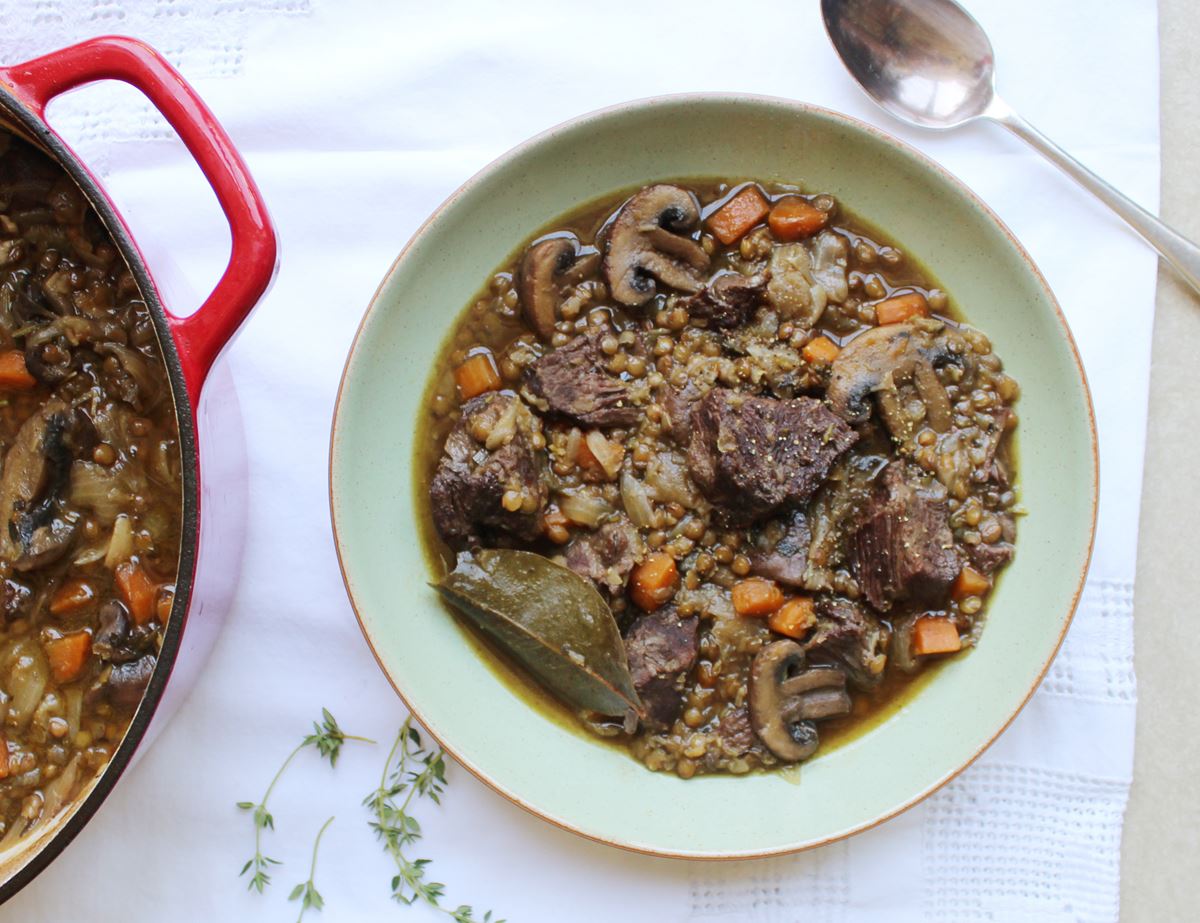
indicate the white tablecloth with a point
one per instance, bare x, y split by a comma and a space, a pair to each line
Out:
358, 119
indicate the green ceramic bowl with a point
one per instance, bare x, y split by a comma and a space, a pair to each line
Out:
485, 723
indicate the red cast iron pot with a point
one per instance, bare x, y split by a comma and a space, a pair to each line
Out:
211, 437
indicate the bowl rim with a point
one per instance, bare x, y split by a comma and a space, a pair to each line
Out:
728, 98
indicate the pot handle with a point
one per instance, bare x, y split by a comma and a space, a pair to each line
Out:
253, 257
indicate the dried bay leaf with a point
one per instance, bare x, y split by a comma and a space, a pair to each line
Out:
551, 620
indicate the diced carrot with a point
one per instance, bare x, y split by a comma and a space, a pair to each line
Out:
556, 526
970, 583
756, 596
932, 635
653, 582
138, 591
166, 599
899, 308
477, 375
14, 376
68, 654
3, 756
820, 350
794, 218
794, 618
732, 220
73, 595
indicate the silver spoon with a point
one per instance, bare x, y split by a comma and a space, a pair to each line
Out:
930, 63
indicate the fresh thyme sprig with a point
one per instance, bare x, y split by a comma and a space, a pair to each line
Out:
306, 892
328, 738
409, 772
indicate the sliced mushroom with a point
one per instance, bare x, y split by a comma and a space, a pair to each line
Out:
649, 241
786, 699
45, 543
127, 681
878, 363
551, 267
35, 527
118, 639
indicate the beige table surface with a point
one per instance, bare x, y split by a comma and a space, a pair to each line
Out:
1160, 867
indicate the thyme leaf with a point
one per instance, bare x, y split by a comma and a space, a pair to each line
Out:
306, 892
412, 772
328, 738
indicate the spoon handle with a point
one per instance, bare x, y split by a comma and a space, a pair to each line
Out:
1176, 249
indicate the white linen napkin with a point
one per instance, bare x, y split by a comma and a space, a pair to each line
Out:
358, 118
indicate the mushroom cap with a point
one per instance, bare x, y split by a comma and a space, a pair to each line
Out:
786, 698
45, 543
548, 267
34, 530
648, 241
860, 368
876, 361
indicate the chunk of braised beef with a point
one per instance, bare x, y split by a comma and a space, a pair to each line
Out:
780, 552
661, 648
575, 384
17, 601
128, 681
903, 547
728, 300
488, 454
607, 554
735, 731
678, 404
850, 637
992, 468
754, 455
989, 558
837, 508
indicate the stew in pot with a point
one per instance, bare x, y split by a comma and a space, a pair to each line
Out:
90, 491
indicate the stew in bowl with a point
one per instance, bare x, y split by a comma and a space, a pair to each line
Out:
757, 434
718, 790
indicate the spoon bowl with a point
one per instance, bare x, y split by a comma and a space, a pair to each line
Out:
930, 63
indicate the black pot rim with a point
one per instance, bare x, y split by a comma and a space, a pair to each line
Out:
36, 129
